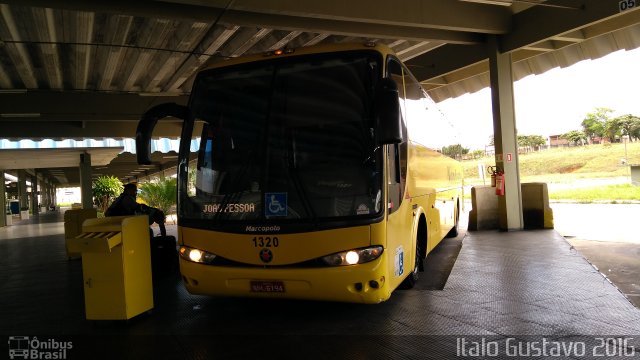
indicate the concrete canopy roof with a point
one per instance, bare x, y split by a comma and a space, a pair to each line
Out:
42, 158
89, 68
59, 164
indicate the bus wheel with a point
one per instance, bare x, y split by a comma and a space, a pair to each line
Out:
454, 231
413, 277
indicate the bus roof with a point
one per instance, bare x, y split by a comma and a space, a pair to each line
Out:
316, 49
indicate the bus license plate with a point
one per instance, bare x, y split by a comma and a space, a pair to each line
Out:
267, 286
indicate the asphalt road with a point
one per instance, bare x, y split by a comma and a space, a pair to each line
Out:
598, 222
608, 236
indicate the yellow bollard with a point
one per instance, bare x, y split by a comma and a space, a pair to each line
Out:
116, 267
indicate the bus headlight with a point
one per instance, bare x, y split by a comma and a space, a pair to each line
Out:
196, 255
352, 257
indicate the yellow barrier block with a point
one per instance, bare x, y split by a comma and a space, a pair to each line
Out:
73, 220
116, 267
536, 213
535, 206
95, 242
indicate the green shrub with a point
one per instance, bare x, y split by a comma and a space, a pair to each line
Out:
160, 194
105, 189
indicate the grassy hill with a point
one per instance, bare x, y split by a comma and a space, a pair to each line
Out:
567, 164
585, 173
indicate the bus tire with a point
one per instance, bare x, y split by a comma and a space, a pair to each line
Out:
411, 279
454, 231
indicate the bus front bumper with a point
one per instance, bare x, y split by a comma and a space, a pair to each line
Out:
362, 283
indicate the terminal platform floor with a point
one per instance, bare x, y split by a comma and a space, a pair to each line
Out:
526, 286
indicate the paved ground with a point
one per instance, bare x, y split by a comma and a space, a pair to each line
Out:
607, 235
516, 287
603, 233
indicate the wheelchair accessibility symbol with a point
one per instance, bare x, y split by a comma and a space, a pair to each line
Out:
275, 204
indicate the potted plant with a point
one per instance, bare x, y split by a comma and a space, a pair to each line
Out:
24, 213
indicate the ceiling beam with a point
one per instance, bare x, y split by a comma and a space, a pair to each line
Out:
18, 52
210, 44
592, 18
445, 59
420, 20
527, 29
349, 28
80, 114
80, 105
17, 130
62, 157
432, 14
412, 51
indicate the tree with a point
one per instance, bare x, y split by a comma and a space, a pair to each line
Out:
105, 189
594, 123
531, 141
612, 129
455, 151
160, 194
536, 141
575, 137
477, 154
630, 125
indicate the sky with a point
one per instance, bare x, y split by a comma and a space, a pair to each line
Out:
554, 102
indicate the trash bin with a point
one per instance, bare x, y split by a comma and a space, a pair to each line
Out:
73, 220
116, 267
15, 207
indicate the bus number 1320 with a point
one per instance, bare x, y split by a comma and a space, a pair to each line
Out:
259, 241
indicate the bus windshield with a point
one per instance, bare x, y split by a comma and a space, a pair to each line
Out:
290, 139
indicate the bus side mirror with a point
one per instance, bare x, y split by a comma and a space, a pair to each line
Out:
148, 122
387, 112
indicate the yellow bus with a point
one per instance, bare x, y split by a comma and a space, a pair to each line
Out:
308, 182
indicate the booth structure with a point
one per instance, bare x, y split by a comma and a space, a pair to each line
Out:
536, 212
116, 267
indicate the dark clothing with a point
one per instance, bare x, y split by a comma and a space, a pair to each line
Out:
126, 204
155, 215
123, 205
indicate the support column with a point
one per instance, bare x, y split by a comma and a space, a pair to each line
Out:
35, 204
23, 196
3, 203
86, 194
505, 136
44, 193
49, 192
54, 196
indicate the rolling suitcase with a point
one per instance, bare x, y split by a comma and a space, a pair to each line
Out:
164, 255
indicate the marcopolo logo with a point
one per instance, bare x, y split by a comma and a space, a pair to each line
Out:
25, 347
251, 228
